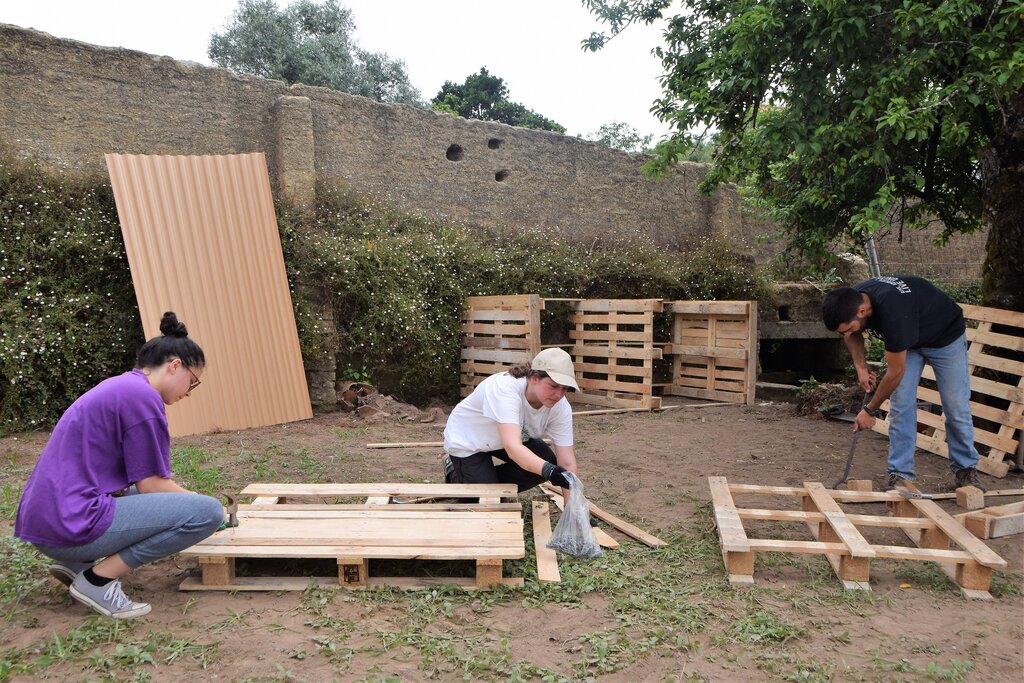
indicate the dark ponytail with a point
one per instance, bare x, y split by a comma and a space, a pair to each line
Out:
174, 343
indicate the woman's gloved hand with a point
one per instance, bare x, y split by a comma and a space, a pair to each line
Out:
555, 474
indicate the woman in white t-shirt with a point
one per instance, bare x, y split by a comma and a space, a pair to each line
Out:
507, 417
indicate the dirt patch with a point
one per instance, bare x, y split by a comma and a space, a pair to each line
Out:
636, 614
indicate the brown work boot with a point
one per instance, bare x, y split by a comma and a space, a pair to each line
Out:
893, 481
968, 476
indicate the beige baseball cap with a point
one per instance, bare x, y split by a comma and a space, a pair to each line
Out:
558, 364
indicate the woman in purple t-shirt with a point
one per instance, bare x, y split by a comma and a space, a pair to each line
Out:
81, 502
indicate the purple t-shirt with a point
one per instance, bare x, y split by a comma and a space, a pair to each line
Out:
114, 435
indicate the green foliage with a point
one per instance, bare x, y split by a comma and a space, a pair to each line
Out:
22, 575
483, 96
842, 117
964, 292
312, 43
622, 136
377, 290
68, 315
395, 285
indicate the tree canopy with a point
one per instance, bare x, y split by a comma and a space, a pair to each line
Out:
312, 43
484, 96
622, 136
850, 117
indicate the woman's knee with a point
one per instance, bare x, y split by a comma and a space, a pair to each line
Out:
208, 513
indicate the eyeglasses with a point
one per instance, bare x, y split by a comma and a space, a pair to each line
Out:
195, 380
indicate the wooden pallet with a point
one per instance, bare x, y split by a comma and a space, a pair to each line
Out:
996, 521
613, 352
482, 529
713, 350
987, 351
498, 332
837, 536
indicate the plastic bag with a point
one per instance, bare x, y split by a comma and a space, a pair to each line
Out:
573, 534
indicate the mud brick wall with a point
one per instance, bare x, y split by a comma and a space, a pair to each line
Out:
68, 103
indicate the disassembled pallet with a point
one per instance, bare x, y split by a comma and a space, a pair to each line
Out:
482, 529
837, 537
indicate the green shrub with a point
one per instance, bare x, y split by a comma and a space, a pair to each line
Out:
68, 315
394, 285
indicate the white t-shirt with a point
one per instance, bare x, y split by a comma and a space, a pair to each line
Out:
501, 399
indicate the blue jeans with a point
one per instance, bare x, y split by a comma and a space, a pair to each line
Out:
950, 365
147, 527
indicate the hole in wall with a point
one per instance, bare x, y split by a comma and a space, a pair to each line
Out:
784, 313
454, 153
494, 143
501, 175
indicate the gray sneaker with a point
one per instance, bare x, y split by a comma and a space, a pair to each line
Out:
65, 572
108, 600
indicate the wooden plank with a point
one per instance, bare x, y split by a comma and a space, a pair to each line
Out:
513, 551
547, 560
499, 356
991, 413
708, 307
363, 490
634, 370
859, 520
895, 552
1003, 341
617, 318
730, 527
993, 315
709, 394
514, 344
582, 351
605, 335
485, 316
706, 351
980, 552
986, 386
381, 512
751, 344
617, 305
265, 500
588, 384
301, 583
488, 572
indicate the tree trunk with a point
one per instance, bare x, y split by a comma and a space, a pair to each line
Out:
1002, 177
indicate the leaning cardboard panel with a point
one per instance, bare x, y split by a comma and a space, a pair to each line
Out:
202, 240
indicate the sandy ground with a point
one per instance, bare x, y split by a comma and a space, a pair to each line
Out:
652, 468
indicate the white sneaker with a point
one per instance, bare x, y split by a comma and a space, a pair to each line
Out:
108, 600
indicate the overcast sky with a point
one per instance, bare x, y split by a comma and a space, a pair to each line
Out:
533, 44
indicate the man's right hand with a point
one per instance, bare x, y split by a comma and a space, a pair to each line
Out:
555, 474
866, 378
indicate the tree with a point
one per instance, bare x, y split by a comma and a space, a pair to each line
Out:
848, 117
622, 136
309, 43
485, 97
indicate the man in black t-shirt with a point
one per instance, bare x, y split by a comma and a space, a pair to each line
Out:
919, 324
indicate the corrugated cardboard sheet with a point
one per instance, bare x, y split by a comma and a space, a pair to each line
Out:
202, 241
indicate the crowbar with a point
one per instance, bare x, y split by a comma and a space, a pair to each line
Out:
853, 444
910, 491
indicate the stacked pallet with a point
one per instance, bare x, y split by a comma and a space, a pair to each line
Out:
497, 333
613, 352
714, 350
479, 528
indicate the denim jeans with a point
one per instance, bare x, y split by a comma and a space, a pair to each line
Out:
950, 365
148, 526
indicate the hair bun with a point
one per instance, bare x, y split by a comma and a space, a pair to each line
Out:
170, 326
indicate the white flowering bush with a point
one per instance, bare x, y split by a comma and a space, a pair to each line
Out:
68, 315
394, 286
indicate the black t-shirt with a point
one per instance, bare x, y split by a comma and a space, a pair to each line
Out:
909, 312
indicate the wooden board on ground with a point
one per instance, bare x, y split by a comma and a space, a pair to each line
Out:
995, 346
838, 537
620, 524
547, 560
479, 529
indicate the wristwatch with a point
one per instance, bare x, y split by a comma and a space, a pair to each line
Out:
873, 412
